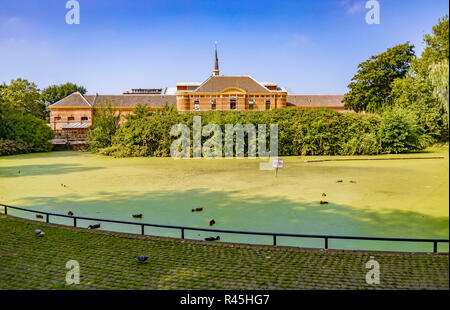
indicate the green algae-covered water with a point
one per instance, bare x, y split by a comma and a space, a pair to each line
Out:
391, 198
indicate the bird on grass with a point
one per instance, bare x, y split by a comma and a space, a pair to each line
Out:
39, 232
39, 216
324, 195
197, 210
213, 238
139, 216
340, 181
142, 258
324, 202
70, 213
94, 226
212, 222
353, 182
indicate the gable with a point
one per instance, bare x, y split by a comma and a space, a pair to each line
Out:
73, 100
219, 83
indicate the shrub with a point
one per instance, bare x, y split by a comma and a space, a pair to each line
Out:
366, 144
29, 134
10, 147
300, 132
106, 123
399, 132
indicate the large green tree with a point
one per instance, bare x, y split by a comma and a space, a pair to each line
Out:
421, 91
24, 98
106, 123
22, 119
370, 89
55, 93
436, 48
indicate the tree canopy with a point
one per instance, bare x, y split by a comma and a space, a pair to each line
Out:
24, 98
436, 48
423, 89
55, 93
370, 89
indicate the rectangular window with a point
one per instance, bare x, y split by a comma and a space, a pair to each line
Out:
251, 105
196, 105
267, 104
84, 118
71, 118
233, 104
57, 118
213, 104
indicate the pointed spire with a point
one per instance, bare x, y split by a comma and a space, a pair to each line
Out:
216, 60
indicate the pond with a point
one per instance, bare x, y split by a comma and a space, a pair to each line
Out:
387, 198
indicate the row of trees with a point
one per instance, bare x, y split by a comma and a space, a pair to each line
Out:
24, 115
300, 132
398, 79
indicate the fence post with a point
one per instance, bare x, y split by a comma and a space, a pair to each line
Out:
142, 229
6, 210
182, 233
326, 243
74, 222
274, 239
435, 247
47, 218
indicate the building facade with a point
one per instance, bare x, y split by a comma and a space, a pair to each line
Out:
71, 117
228, 93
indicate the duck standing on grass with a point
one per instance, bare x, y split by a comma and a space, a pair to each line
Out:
39, 232
142, 258
212, 222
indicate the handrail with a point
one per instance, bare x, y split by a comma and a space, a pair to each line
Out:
183, 228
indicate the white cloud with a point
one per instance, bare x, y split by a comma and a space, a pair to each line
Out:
353, 6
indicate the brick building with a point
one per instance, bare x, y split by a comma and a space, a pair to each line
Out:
228, 92
71, 117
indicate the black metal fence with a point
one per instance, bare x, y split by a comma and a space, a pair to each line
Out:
182, 229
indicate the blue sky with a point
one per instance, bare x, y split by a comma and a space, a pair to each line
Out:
310, 47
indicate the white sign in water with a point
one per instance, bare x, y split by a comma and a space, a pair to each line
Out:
278, 163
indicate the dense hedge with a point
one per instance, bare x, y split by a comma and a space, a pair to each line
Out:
24, 134
300, 132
